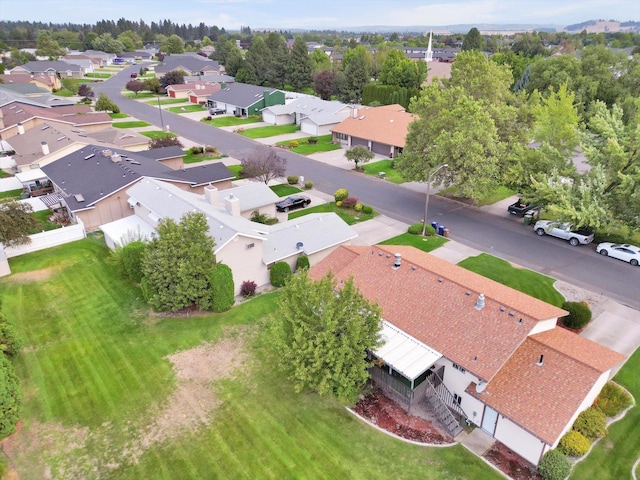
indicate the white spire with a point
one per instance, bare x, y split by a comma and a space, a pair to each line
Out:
429, 54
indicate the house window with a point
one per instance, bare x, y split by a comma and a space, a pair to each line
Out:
459, 368
457, 399
341, 136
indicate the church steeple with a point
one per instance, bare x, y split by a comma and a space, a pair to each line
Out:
429, 55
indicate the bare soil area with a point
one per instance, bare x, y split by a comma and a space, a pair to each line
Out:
34, 276
511, 463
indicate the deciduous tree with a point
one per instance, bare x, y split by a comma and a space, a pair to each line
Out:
263, 164
325, 84
358, 154
135, 86
321, 337
16, 223
104, 103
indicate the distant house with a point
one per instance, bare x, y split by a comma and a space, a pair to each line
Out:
313, 115
195, 92
381, 129
91, 181
477, 350
248, 248
43, 81
51, 68
244, 100
191, 64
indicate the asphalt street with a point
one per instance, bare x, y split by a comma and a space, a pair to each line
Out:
499, 236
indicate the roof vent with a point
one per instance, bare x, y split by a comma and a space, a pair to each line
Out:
502, 309
540, 362
480, 302
512, 313
413, 267
519, 321
299, 245
397, 262
467, 293
440, 280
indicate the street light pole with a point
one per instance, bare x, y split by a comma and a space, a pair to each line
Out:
160, 109
426, 203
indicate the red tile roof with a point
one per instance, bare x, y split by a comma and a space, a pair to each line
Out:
434, 301
387, 124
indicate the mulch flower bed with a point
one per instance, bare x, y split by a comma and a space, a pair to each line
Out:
511, 463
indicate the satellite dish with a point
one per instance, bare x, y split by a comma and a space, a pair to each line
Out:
481, 386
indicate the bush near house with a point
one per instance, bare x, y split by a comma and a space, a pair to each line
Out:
132, 254
574, 444
612, 400
292, 179
416, 229
340, 194
308, 185
367, 209
579, 315
591, 423
10, 398
554, 465
248, 288
279, 274
349, 202
302, 262
221, 288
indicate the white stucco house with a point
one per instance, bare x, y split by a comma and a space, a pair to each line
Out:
491, 354
313, 115
248, 248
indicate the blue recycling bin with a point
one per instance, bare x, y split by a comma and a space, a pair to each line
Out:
441, 230
435, 226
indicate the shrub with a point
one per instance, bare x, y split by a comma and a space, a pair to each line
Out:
248, 288
144, 286
302, 262
10, 398
349, 202
221, 288
368, 209
10, 341
339, 203
416, 229
554, 465
591, 423
196, 150
579, 315
132, 254
292, 179
574, 444
612, 399
358, 207
312, 140
293, 144
258, 217
280, 273
210, 149
341, 194
308, 185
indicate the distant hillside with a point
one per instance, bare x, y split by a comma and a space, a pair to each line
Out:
603, 26
445, 29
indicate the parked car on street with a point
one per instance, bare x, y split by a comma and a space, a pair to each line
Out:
216, 111
134, 75
293, 202
565, 230
624, 252
520, 208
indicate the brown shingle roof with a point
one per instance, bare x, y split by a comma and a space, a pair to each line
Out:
387, 124
543, 398
434, 301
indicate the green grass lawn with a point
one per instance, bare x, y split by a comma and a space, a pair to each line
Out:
118, 115
132, 124
4, 174
140, 96
284, 190
349, 215
197, 157
230, 120
235, 169
187, 109
426, 244
95, 369
98, 75
43, 221
527, 281
383, 166
11, 195
613, 457
324, 144
154, 134
270, 131
170, 101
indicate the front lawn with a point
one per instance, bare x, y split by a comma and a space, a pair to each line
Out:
118, 115
270, 131
132, 124
103, 400
155, 134
98, 75
426, 244
527, 281
284, 190
187, 109
140, 96
349, 215
168, 101
230, 120
191, 157
385, 166
324, 144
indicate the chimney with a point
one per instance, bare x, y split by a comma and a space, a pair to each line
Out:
45, 148
116, 158
397, 261
20, 128
232, 204
211, 195
480, 302
540, 362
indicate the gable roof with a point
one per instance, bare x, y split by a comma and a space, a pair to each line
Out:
191, 62
241, 94
388, 124
434, 302
47, 66
44, 99
543, 398
314, 109
26, 78
95, 173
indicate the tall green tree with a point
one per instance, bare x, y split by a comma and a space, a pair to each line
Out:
174, 44
321, 338
177, 264
300, 75
400, 71
105, 104
16, 223
320, 60
48, 46
258, 60
354, 75
473, 40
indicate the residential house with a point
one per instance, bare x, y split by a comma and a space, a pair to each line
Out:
194, 91
248, 248
314, 115
88, 64
244, 99
92, 181
49, 67
492, 355
105, 59
191, 64
43, 81
381, 129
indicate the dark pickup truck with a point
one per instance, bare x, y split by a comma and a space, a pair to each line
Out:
520, 208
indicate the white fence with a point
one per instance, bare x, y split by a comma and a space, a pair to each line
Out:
9, 183
52, 238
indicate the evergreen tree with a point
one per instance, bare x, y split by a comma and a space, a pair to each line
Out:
300, 74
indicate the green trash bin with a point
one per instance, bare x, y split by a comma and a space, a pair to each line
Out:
528, 219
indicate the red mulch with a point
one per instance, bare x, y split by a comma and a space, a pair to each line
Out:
511, 463
390, 416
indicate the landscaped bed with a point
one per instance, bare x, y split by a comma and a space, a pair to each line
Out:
509, 462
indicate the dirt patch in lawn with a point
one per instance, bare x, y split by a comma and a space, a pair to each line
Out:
51, 450
509, 462
34, 276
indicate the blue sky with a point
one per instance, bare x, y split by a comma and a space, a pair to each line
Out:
231, 14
